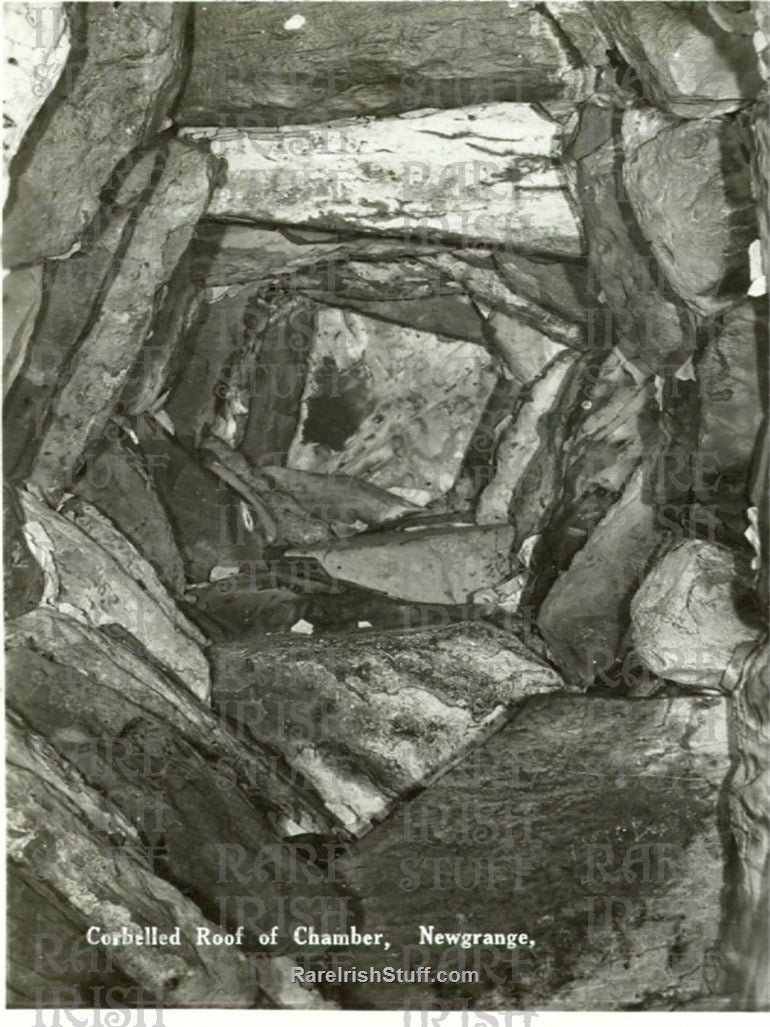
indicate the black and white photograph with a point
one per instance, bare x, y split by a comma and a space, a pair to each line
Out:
385, 511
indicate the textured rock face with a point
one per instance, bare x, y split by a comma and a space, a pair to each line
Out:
680, 58
730, 411
540, 832
432, 565
479, 174
687, 615
114, 586
744, 964
104, 358
71, 293
22, 293
36, 44
586, 614
518, 449
265, 65
370, 718
392, 406
639, 313
125, 60
386, 515
76, 832
699, 225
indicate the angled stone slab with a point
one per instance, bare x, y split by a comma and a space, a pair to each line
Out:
36, 44
266, 65
72, 290
92, 572
83, 862
729, 391
585, 833
106, 354
395, 407
636, 307
689, 184
681, 58
116, 481
81, 686
369, 717
123, 73
586, 614
426, 565
483, 174
522, 441
22, 296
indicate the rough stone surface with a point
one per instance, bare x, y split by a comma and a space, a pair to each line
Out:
205, 512
105, 356
22, 295
592, 455
382, 276
268, 510
99, 685
117, 482
689, 614
122, 77
747, 944
544, 831
71, 857
680, 58
36, 41
336, 62
369, 717
520, 444
638, 314
22, 577
71, 291
146, 389
729, 376
690, 188
400, 361
394, 407
285, 330
585, 615
429, 565
113, 584
483, 174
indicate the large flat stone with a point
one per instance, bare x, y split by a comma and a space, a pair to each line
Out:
591, 827
106, 354
71, 291
690, 188
690, 614
116, 481
680, 58
444, 566
480, 174
395, 407
122, 77
637, 312
586, 614
369, 717
93, 573
264, 65
83, 865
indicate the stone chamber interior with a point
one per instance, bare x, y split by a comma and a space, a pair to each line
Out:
385, 509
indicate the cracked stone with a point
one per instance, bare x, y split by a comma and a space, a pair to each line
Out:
121, 78
367, 718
